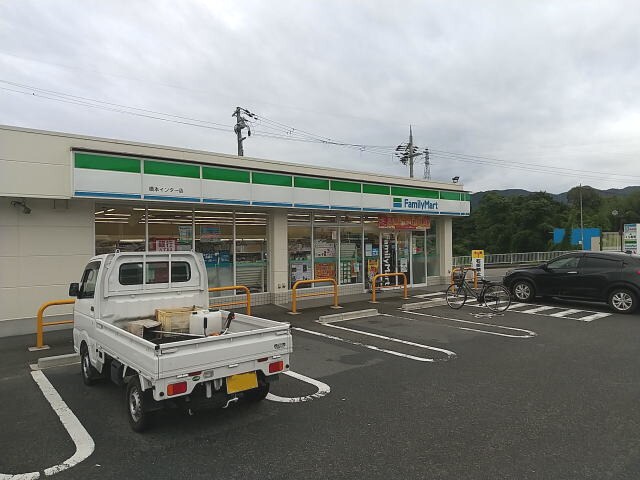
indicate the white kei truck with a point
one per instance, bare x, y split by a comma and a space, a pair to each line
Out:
218, 357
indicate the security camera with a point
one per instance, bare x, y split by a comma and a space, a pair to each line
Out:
26, 210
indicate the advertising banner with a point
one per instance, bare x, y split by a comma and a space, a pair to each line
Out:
630, 238
404, 222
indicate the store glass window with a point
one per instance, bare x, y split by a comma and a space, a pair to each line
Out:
119, 227
371, 248
418, 256
325, 246
433, 259
170, 229
350, 249
299, 247
214, 239
251, 250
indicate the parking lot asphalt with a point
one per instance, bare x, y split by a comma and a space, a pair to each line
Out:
425, 393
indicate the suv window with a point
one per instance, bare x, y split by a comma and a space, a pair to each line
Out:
599, 263
88, 282
564, 262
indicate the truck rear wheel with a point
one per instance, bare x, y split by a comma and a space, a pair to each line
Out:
139, 418
89, 374
257, 394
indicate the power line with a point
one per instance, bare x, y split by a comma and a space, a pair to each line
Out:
280, 131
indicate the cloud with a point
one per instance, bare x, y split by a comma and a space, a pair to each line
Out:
535, 82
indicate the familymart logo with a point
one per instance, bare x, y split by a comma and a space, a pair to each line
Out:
417, 204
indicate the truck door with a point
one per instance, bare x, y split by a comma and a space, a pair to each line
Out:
84, 309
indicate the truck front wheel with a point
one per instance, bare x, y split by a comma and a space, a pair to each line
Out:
139, 418
89, 374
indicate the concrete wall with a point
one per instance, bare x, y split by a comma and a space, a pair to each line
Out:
40, 254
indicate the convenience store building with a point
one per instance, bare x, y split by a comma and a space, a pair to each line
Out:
260, 223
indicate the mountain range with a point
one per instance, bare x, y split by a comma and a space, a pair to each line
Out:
558, 197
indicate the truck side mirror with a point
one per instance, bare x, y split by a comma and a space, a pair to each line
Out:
74, 288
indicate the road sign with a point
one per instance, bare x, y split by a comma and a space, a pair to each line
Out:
477, 261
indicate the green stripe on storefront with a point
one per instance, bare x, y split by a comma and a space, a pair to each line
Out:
346, 186
103, 162
375, 189
271, 179
467, 197
171, 169
226, 174
305, 182
414, 192
450, 195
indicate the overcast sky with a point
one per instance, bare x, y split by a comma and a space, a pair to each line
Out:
550, 84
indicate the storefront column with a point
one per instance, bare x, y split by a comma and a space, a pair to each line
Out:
277, 247
445, 245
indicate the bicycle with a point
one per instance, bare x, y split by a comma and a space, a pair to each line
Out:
493, 295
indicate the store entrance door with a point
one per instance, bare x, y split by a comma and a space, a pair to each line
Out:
418, 258
404, 255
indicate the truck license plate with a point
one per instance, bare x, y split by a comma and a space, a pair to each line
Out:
242, 382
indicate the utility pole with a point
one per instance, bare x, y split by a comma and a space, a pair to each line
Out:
581, 223
241, 123
427, 165
406, 152
410, 152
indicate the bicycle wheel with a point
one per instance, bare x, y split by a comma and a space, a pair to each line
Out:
456, 296
497, 298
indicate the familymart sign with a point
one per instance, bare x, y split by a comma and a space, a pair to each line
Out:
100, 175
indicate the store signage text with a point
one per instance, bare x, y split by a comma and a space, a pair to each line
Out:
417, 204
404, 222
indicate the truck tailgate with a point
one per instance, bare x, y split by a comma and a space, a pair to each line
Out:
224, 353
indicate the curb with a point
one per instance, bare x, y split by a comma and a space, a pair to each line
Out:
56, 361
339, 317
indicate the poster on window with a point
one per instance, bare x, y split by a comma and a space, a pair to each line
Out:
165, 245
325, 249
209, 234
325, 270
300, 271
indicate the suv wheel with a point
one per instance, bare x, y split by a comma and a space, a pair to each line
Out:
523, 291
622, 300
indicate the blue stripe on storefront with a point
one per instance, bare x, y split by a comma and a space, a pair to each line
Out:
226, 202
428, 212
311, 205
106, 195
370, 209
175, 199
272, 204
341, 207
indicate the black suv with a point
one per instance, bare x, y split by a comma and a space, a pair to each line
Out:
612, 277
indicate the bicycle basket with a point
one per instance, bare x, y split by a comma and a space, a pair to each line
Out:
459, 276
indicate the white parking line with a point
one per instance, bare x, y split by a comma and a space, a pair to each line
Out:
323, 389
590, 318
425, 295
564, 313
82, 440
527, 333
537, 309
449, 353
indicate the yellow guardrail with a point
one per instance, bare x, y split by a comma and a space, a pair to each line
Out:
381, 275
246, 303
295, 296
464, 271
41, 324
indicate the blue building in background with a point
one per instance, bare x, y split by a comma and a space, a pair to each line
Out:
576, 236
